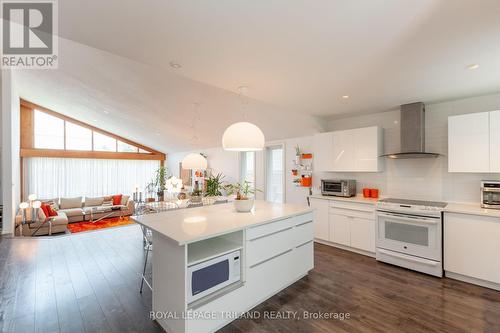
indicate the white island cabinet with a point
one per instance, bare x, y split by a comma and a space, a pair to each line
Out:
274, 246
472, 248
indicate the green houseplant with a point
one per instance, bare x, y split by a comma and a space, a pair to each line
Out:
214, 185
159, 181
244, 195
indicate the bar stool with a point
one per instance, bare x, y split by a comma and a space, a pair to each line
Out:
148, 247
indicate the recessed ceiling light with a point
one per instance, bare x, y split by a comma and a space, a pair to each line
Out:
345, 96
473, 66
106, 111
175, 65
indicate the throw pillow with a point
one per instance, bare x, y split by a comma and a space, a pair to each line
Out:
67, 203
45, 208
117, 199
124, 200
51, 211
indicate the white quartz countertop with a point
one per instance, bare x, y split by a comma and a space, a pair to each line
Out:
358, 198
472, 209
194, 224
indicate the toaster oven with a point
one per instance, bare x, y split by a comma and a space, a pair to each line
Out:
338, 187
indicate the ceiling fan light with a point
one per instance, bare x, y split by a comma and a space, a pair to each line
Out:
194, 161
243, 136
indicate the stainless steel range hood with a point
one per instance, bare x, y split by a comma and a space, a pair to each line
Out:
412, 133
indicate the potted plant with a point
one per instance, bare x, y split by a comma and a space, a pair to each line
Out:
214, 185
244, 196
160, 181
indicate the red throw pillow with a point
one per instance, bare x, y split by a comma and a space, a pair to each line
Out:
51, 211
117, 199
45, 209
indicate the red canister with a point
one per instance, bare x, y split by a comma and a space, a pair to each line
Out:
367, 192
374, 193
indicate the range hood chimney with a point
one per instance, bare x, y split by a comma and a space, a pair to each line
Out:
412, 133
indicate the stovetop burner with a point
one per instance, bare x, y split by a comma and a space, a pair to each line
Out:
415, 202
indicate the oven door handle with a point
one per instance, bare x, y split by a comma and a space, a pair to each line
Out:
490, 189
417, 219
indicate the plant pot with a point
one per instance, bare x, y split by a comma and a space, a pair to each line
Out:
244, 206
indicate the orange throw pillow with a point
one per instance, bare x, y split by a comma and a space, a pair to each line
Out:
117, 199
51, 211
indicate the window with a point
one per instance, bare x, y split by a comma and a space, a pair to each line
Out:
126, 148
78, 137
247, 167
274, 174
49, 131
103, 142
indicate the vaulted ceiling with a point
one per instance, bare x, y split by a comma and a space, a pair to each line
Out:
305, 55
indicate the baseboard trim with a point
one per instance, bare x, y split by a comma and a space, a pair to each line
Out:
343, 247
472, 280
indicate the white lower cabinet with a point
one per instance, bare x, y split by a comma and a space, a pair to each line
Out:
363, 234
321, 225
472, 247
340, 232
349, 224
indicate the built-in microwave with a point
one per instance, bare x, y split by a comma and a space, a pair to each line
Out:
338, 187
209, 276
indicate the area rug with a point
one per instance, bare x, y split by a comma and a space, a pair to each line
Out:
103, 224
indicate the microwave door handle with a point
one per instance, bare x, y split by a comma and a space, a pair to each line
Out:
411, 219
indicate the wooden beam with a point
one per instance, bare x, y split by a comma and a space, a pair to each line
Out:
34, 106
89, 154
27, 128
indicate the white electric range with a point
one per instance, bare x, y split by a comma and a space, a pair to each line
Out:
409, 234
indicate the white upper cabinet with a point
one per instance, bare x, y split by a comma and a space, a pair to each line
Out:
355, 150
469, 143
368, 146
495, 141
343, 150
323, 151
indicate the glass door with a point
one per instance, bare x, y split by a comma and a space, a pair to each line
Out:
275, 184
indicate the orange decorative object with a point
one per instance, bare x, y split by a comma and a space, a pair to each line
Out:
306, 181
366, 192
307, 156
374, 193
76, 227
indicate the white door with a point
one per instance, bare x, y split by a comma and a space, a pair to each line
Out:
367, 149
321, 225
275, 166
340, 230
323, 151
363, 234
343, 150
495, 141
469, 143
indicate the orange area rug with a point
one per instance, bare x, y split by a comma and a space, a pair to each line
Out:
103, 224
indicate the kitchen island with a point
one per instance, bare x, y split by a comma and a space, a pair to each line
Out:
267, 250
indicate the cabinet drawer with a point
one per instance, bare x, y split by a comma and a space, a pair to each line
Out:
269, 228
304, 233
353, 213
356, 206
300, 219
268, 246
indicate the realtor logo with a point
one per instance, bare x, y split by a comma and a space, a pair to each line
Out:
29, 34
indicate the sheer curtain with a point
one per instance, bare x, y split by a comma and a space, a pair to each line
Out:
71, 177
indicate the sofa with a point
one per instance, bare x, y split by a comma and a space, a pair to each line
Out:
76, 209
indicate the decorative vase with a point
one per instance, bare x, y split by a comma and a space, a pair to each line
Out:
244, 206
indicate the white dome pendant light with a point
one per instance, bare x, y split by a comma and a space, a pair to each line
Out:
194, 161
243, 136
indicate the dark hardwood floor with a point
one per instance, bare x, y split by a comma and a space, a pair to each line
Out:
89, 283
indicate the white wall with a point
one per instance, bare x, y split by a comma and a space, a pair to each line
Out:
219, 160
420, 178
10, 150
